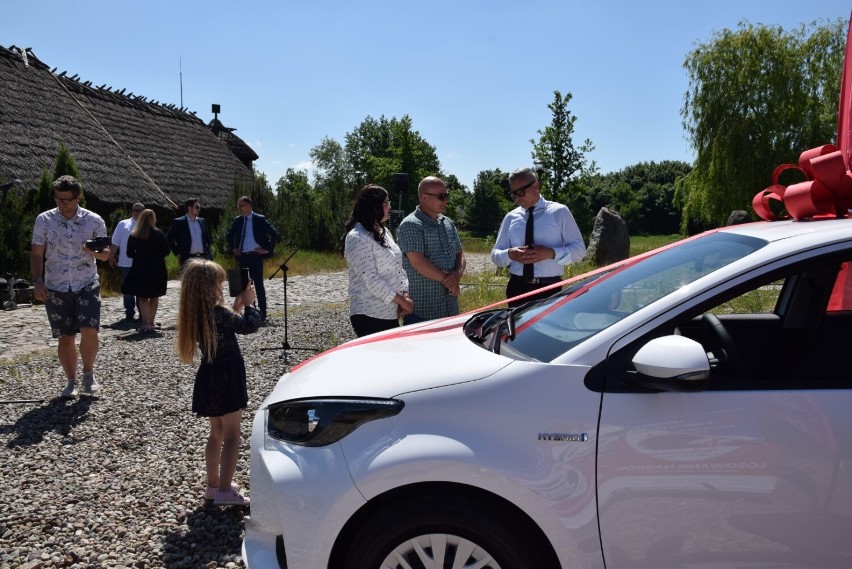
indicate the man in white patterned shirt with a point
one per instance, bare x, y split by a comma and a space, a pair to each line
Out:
69, 285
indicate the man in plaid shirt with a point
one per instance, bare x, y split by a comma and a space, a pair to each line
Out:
433, 256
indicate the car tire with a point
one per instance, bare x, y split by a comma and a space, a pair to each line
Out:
451, 527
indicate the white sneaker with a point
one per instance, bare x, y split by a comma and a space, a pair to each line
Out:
70, 390
90, 384
230, 498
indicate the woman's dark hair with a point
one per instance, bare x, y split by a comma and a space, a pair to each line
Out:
368, 210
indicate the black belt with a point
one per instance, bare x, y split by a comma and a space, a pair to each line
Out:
197, 255
536, 280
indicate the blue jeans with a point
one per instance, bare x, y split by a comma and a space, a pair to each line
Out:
129, 299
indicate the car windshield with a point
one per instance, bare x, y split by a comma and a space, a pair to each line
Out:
548, 329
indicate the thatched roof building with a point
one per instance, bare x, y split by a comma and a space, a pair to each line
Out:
127, 148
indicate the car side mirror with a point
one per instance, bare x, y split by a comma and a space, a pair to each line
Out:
671, 363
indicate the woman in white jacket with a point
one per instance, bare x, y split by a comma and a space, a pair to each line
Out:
378, 285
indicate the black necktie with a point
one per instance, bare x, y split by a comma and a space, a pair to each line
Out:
529, 271
243, 234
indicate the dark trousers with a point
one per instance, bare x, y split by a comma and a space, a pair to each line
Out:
254, 263
129, 299
516, 286
364, 325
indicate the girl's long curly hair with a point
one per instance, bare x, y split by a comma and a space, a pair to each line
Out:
200, 293
368, 210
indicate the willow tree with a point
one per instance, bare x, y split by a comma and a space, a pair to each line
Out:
757, 97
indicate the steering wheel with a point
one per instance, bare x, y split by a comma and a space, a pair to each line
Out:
721, 336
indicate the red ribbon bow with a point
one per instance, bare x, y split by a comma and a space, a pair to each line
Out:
827, 190
828, 186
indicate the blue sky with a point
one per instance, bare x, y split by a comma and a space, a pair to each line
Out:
475, 76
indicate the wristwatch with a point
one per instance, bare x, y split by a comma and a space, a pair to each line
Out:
38, 280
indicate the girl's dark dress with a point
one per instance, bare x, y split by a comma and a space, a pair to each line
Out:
148, 277
220, 385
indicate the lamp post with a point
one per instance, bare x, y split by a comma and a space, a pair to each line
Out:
539, 169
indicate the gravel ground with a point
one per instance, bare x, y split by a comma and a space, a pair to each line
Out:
118, 480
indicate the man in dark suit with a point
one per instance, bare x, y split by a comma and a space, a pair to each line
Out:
252, 239
188, 236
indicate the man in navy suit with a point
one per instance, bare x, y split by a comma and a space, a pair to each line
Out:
252, 239
188, 236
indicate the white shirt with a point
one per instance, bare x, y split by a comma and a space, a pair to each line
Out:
249, 244
66, 265
119, 239
376, 275
195, 236
554, 227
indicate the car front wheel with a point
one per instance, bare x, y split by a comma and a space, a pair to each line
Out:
442, 533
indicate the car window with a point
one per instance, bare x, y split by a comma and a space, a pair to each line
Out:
778, 331
547, 330
761, 300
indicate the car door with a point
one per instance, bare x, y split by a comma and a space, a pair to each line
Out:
755, 470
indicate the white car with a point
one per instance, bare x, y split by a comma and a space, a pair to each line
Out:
691, 407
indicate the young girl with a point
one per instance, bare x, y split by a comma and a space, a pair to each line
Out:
220, 384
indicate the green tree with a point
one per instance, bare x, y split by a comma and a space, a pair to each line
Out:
296, 202
758, 96
17, 214
643, 194
563, 163
382, 147
489, 203
64, 164
334, 192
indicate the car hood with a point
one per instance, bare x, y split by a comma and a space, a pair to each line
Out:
411, 358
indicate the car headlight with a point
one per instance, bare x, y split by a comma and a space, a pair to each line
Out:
319, 422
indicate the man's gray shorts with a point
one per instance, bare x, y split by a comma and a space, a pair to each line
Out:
67, 311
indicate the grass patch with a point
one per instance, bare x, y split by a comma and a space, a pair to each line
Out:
644, 243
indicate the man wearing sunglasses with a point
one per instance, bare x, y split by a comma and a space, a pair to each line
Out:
432, 254
65, 275
188, 236
536, 239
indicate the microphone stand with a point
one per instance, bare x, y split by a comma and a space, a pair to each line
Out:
285, 345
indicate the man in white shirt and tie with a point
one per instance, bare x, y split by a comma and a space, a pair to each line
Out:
536, 239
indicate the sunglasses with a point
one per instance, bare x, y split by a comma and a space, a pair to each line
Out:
64, 201
520, 192
443, 196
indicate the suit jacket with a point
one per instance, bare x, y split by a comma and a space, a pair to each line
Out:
264, 233
180, 240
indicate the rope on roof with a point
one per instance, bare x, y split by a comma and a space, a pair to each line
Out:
114, 141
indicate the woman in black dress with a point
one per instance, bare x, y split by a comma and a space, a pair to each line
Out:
220, 383
147, 278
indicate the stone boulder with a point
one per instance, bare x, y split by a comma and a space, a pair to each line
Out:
610, 241
739, 216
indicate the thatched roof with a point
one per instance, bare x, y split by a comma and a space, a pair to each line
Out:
127, 148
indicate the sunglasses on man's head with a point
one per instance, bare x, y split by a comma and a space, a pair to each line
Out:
443, 196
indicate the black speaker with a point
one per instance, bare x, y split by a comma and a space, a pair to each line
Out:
400, 183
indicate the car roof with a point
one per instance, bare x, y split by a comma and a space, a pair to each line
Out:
823, 229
